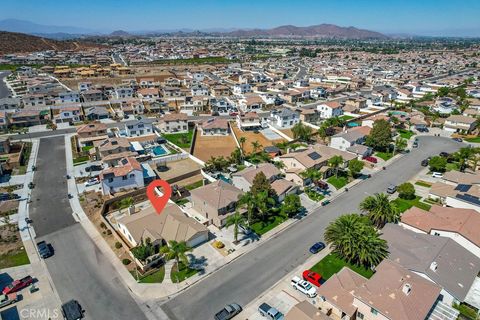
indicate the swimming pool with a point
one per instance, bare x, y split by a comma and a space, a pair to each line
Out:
225, 179
159, 151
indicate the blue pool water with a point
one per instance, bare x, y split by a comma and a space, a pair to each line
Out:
352, 124
222, 177
399, 113
159, 150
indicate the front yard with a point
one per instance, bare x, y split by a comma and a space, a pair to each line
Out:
262, 227
11, 247
339, 182
331, 264
473, 140
155, 277
313, 195
403, 205
406, 134
384, 155
182, 274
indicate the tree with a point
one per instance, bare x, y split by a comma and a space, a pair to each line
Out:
236, 220
354, 239
355, 166
380, 136
291, 205
176, 250
261, 184
400, 144
312, 174
144, 250
406, 191
263, 203
242, 141
322, 133
256, 146
301, 132
438, 164
335, 162
236, 156
465, 154
247, 200
380, 210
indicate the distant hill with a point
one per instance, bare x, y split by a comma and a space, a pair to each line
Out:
120, 33
317, 31
23, 26
13, 42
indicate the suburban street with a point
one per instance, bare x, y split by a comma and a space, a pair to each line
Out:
4, 92
253, 273
78, 268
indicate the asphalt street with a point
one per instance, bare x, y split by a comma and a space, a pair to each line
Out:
4, 92
253, 273
78, 268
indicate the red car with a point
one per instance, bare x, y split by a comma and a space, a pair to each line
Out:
312, 277
370, 159
18, 285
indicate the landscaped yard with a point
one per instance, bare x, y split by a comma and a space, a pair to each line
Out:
384, 155
156, 277
423, 184
262, 227
474, 140
453, 166
182, 274
80, 160
183, 140
403, 205
194, 185
331, 264
406, 134
313, 195
346, 118
12, 252
13, 259
339, 182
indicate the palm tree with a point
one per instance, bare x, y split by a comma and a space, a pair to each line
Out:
263, 202
235, 220
176, 250
247, 200
465, 154
354, 239
322, 133
312, 174
400, 144
242, 141
380, 209
256, 146
335, 162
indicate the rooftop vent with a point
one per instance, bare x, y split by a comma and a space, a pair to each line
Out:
434, 266
407, 288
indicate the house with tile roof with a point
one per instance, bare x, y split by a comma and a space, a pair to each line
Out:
215, 127
128, 174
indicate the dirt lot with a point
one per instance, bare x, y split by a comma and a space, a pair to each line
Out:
251, 137
12, 252
206, 147
287, 132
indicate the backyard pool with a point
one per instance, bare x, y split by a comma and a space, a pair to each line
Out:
159, 151
225, 179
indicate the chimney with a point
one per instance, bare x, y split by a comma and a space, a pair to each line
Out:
434, 266
131, 210
407, 288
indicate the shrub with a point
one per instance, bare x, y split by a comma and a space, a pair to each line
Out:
406, 191
102, 225
118, 245
219, 244
109, 232
126, 262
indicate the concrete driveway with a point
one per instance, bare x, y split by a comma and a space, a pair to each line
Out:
247, 277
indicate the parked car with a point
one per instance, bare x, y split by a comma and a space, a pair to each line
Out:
31, 185
304, 287
437, 175
92, 182
312, 277
444, 154
8, 299
72, 310
228, 312
321, 184
458, 139
317, 247
44, 249
269, 312
424, 162
422, 129
94, 167
415, 144
370, 159
17, 285
391, 189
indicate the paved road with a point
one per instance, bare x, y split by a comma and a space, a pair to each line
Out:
302, 71
4, 92
256, 271
79, 269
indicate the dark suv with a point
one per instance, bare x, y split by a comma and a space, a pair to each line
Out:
44, 249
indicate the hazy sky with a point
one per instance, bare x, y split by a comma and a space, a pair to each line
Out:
431, 17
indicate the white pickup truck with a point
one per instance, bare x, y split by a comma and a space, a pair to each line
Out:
304, 287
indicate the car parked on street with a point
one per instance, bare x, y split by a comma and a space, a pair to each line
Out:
44, 250
8, 299
317, 247
228, 312
444, 154
304, 287
458, 139
17, 285
437, 175
391, 189
269, 312
370, 159
312, 277
72, 310
424, 163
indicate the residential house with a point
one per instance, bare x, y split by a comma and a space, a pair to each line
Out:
199, 90
149, 93
96, 113
9, 104
284, 118
346, 139
460, 123
171, 225
128, 174
124, 92
91, 132
215, 127
215, 201
249, 121
24, 118
139, 127
68, 97
91, 95
242, 88
68, 114
174, 123
111, 150
330, 109
251, 103
243, 180
305, 311
310, 115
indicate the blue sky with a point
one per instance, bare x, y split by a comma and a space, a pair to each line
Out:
429, 17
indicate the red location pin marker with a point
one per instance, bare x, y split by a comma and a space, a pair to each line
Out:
159, 202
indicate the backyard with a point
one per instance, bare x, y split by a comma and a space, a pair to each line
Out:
331, 264
403, 205
183, 140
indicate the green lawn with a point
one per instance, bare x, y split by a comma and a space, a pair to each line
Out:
453, 166
315, 196
195, 185
474, 140
262, 227
182, 274
346, 118
339, 182
182, 140
331, 264
86, 148
81, 159
181, 202
156, 277
384, 155
423, 184
403, 205
406, 134
14, 259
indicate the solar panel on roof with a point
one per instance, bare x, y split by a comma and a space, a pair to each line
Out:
314, 156
469, 198
463, 187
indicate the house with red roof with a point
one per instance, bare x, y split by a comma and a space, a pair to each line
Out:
128, 174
